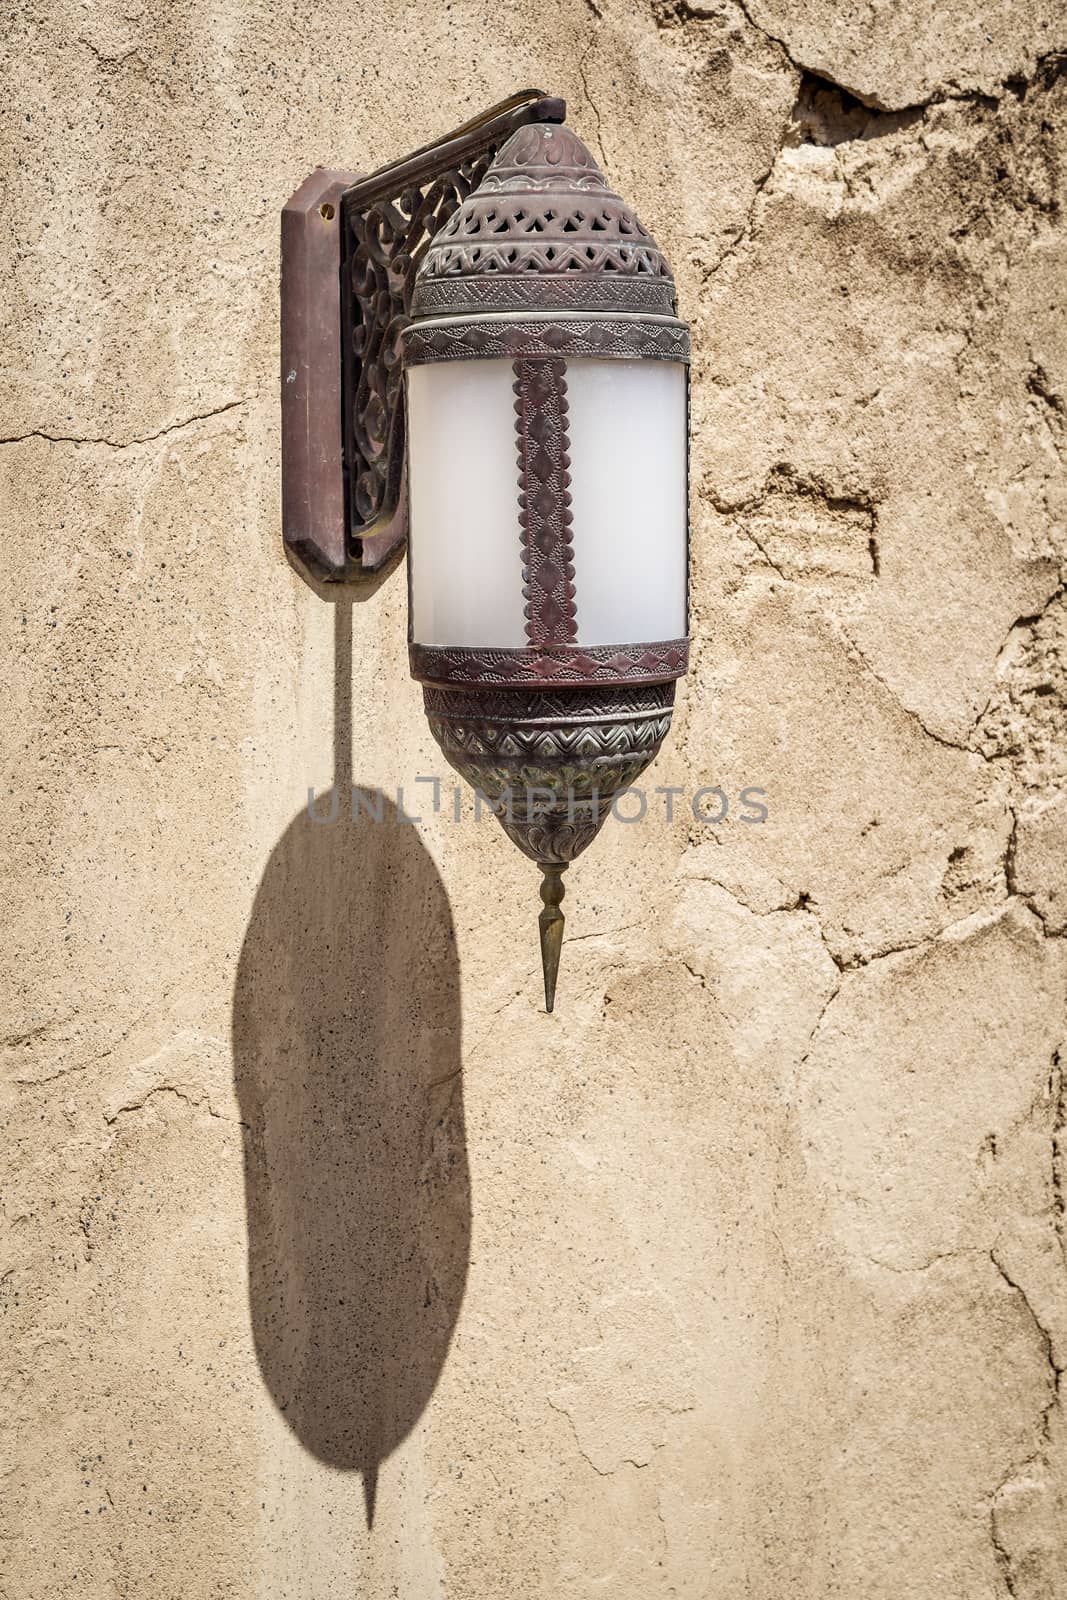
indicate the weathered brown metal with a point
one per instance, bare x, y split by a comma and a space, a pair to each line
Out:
570, 666
550, 927
313, 499
543, 231
545, 502
529, 336
581, 746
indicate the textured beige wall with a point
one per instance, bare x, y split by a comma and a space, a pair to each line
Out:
742, 1274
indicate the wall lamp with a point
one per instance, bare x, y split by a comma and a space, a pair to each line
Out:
481, 359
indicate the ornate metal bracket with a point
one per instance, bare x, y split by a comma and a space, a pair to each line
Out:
351, 247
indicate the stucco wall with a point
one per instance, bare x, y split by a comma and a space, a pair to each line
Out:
742, 1274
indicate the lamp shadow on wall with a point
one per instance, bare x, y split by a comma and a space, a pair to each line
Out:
346, 1038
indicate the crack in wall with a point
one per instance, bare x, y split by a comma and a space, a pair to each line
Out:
601, 1472
909, 711
1030, 620
592, 103
1002, 1557
824, 534
1036, 1462
127, 444
784, 477
829, 115
803, 904
967, 746
1039, 384
1046, 1336
860, 962
747, 229
1010, 879
1059, 1130
197, 1102
114, 64
963, 1253
1047, 67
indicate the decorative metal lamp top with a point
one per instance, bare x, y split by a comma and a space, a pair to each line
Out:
543, 230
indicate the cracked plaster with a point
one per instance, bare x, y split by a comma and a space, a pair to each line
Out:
744, 1273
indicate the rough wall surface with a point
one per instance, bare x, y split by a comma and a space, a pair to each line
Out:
330, 1266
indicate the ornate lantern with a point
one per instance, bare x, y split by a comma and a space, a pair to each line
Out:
546, 376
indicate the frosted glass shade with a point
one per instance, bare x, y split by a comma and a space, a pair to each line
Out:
463, 487
628, 450
627, 431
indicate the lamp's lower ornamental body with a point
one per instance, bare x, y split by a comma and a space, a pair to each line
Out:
550, 763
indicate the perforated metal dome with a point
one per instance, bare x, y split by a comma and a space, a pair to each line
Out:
543, 231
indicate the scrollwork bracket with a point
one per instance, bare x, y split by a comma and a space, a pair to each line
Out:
351, 247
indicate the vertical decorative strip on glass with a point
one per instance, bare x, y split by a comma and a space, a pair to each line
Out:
545, 501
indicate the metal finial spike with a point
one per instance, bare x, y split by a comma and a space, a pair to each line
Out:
550, 924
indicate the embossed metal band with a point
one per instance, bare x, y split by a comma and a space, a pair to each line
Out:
580, 291
560, 253
545, 502
570, 666
618, 338
548, 707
